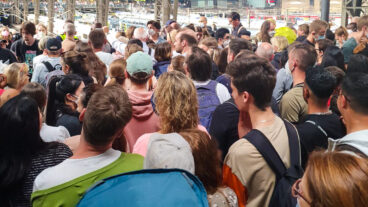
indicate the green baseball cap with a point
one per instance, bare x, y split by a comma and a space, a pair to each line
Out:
139, 62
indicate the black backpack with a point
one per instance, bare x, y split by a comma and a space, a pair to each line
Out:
50, 68
285, 178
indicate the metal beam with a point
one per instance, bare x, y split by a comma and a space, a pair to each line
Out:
325, 10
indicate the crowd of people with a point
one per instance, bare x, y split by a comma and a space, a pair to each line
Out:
264, 119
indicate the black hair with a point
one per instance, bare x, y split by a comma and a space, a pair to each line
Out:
59, 87
330, 35
220, 33
358, 63
234, 16
355, 88
88, 91
19, 141
238, 44
333, 57
256, 76
135, 41
154, 23
320, 81
199, 65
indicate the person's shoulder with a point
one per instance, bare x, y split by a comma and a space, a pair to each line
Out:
241, 148
350, 43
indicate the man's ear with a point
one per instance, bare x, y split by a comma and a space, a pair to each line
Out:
343, 102
246, 97
81, 115
306, 94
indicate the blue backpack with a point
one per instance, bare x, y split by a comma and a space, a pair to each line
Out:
153, 187
208, 101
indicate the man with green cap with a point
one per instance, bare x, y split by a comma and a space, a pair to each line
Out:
139, 71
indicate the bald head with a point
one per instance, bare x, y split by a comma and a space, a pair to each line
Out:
105, 29
265, 50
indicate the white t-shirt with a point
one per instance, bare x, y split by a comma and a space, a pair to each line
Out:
105, 58
71, 169
54, 134
221, 91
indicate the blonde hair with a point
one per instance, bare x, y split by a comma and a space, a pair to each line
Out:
42, 42
5, 28
131, 49
176, 102
16, 75
117, 72
171, 36
280, 42
213, 49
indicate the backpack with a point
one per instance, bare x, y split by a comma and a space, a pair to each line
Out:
51, 68
152, 187
285, 178
208, 101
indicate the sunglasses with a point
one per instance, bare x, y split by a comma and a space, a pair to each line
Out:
297, 193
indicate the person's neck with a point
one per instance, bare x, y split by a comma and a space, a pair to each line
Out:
310, 38
138, 88
357, 36
54, 56
68, 37
314, 108
31, 42
298, 77
71, 105
97, 50
154, 37
261, 118
236, 25
85, 150
355, 122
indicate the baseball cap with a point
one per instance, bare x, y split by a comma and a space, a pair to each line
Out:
169, 151
139, 62
53, 44
170, 21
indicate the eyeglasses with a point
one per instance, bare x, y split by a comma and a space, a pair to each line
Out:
297, 193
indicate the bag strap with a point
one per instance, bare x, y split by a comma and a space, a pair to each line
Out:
48, 66
264, 146
269, 153
294, 144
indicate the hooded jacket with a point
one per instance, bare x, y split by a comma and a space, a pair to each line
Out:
144, 120
356, 142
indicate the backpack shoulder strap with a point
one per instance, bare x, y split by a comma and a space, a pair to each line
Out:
294, 144
240, 28
318, 127
264, 146
48, 66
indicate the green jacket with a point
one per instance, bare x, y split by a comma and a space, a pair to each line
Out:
69, 193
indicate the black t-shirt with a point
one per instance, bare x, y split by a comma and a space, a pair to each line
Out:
312, 138
224, 125
26, 53
7, 55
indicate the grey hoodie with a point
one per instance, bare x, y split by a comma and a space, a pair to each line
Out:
358, 140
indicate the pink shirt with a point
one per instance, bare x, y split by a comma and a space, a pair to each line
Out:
141, 145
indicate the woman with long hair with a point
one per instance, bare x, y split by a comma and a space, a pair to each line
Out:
6, 37
176, 102
163, 57
16, 77
23, 154
208, 168
117, 73
265, 34
333, 179
94, 66
61, 110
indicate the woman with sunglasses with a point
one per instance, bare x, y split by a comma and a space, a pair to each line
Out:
62, 102
333, 179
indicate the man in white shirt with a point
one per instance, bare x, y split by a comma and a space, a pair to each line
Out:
97, 39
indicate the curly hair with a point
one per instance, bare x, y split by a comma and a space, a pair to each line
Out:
176, 102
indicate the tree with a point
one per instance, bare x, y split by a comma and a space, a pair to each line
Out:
70, 9
102, 7
25, 10
37, 11
50, 15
